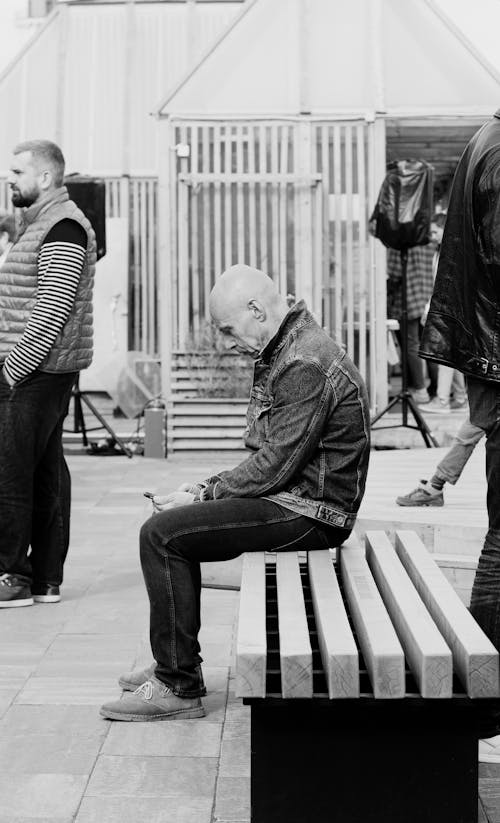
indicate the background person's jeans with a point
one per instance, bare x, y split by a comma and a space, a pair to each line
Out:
35, 486
416, 373
452, 465
174, 543
484, 404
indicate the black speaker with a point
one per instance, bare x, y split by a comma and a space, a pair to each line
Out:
402, 215
89, 194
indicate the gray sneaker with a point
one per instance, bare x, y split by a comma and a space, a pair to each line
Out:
14, 592
153, 701
423, 495
131, 681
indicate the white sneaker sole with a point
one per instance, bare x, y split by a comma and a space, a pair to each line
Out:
47, 598
15, 604
183, 714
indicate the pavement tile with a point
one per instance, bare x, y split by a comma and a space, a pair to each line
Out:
235, 750
50, 739
22, 647
87, 656
179, 738
50, 819
94, 619
67, 691
40, 796
49, 753
151, 809
232, 803
116, 776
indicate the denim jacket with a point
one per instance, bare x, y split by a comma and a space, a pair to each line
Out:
308, 429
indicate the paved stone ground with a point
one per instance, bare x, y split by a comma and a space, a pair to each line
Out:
59, 761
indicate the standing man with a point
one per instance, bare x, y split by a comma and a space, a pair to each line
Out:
300, 487
46, 286
462, 331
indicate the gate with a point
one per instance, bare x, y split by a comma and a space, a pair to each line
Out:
289, 197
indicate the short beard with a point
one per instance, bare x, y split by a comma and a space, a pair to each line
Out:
23, 200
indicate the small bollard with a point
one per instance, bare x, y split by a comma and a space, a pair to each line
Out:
154, 430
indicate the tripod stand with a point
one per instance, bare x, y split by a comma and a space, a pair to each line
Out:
79, 424
404, 397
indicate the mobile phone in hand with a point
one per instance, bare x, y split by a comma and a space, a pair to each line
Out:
149, 494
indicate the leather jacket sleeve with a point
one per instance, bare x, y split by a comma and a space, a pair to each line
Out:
301, 402
487, 208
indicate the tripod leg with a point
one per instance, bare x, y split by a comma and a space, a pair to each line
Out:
79, 419
393, 402
420, 421
105, 425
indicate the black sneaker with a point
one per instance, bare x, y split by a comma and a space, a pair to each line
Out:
14, 592
43, 593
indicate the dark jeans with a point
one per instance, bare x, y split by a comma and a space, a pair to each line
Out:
35, 484
416, 373
174, 543
484, 403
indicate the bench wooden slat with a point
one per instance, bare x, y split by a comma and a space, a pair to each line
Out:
251, 643
377, 638
295, 646
475, 658
429, 657
339, 654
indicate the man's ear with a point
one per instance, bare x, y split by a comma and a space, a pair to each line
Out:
46, 179
257, 310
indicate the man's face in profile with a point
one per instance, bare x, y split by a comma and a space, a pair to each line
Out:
240, 332
24, 180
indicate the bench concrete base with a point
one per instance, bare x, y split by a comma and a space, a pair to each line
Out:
363, 761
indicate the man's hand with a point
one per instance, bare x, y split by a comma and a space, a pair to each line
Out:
172, 501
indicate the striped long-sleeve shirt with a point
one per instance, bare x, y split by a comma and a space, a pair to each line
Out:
60, 263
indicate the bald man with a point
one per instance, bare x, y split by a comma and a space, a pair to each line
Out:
300, 486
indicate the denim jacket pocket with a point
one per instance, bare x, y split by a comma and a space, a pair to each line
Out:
260, 404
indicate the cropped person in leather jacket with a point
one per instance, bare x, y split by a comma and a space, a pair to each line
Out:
463, 331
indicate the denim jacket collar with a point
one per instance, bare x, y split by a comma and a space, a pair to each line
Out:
296, 317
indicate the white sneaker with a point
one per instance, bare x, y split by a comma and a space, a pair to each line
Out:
420, 396
437, 406
489, 750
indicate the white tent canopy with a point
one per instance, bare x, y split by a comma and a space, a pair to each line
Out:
287, 57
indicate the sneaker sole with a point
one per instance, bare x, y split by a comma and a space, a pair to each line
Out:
420, 505
47, 598
186, 714
15, 604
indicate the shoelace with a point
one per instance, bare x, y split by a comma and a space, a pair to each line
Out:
6, 580
146, 690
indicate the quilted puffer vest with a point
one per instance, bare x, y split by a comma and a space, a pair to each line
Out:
72, 349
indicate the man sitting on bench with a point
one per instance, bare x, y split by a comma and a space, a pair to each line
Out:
300, 487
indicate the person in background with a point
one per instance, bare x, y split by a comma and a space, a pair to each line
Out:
451, 393
7, 234
46, 283
419, 289
430, 492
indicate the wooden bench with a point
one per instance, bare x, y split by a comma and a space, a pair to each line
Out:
364, 671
